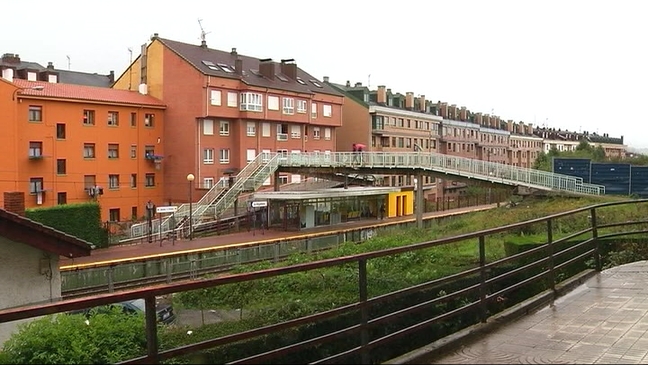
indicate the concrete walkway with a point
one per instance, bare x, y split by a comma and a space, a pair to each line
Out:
603, 321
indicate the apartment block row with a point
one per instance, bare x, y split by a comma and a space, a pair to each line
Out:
182, 109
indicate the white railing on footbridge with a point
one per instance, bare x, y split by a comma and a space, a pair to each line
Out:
451, 165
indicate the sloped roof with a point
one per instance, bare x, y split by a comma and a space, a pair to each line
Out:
26, 231
89, 93
195, 55
83, 78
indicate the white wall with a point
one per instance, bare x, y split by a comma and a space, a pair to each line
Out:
21, 280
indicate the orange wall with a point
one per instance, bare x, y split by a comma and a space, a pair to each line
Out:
356, 126
71, 149
8, 162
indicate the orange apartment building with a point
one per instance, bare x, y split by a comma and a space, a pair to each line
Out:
66, 143
224, 108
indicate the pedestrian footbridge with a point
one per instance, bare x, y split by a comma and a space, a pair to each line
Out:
222, 196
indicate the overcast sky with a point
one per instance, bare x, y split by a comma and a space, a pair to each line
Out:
580, 65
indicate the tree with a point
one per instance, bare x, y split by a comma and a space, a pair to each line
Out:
103, 338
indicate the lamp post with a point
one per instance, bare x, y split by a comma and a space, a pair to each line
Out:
190, 179
37, 87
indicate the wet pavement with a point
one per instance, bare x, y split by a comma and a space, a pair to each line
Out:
603, 321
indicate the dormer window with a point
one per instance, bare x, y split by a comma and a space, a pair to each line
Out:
52, 78
32, 76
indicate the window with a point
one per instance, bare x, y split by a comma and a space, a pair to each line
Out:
299, 80
88, 117
208, 127
149, 120
295, 131
266, 130
273, 102
251, 129
113, 214
224, 128
113, 118
327, 111
35, 185
149, 152
31, 76
149, 180
113, 181
61, 198
88, 150
224, 155
113, 150
231, 99
134, 212
252, 102
282, 132
60, 130
35, 149
61, 166
208, 182
301, 106
133, 152
215, 97
327, 134
208, 156
89, 181
35, 113
313, 110
133, 181
316, 83
283, 179
288, 106
266, 155
133, 119
316, 132
250, 154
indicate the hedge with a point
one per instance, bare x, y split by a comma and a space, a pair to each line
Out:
79, 220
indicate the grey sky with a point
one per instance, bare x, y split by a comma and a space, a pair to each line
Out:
580, 65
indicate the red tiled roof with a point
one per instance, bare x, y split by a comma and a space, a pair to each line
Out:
89, 93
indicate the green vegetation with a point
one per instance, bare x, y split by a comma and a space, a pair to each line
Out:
79, 220
105, 338
585, 150
273, 300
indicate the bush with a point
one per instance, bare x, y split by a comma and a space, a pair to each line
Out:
79, 220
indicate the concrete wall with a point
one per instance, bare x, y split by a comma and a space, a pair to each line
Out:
22, 282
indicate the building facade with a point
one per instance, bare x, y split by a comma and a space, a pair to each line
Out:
68, 143
224, 109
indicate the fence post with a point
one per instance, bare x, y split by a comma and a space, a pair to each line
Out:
151, 330
276, 251
364, 311
482, 279
597, 244
169, 271
111, 279
552, 272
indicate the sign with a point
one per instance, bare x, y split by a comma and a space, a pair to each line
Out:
169, 209
260, 204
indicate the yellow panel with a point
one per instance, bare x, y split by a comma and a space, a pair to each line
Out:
409, 203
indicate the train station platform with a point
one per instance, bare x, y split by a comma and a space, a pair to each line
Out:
602, 321
134, 251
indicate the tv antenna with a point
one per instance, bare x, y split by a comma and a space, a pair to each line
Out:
130, 51
68, 58
369, 81
203, 34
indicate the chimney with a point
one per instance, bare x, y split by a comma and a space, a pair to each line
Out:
510, 126
111, 76
358, 84
381, 95
11, 58
621, 139
452, 112
348, 83
238, 66
50, 66
444, 109
522, 127
234, 53
478, 118
326, 79
267, 68
155, 35
14, 202
289, 68
203, 44
463, 114
409, 100
486, 119
422, 106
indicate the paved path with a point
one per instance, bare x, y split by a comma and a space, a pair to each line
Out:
603, 321
132, 251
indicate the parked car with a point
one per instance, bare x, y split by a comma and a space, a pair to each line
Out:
165, 313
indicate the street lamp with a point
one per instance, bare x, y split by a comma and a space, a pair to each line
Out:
37, 87
190, 179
